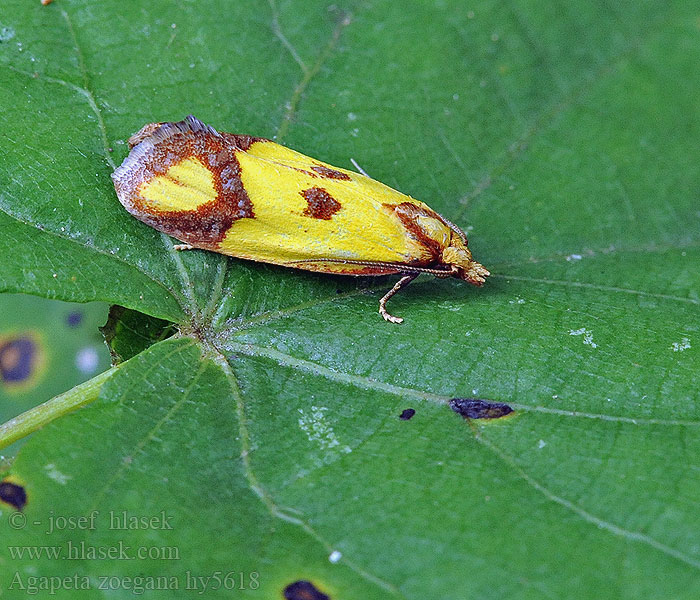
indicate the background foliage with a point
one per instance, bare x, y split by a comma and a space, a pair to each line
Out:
562, 137
46, 347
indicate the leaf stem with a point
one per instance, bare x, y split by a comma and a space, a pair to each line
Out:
35, 418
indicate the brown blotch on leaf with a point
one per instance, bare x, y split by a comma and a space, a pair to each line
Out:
407, 414
303, 590
18, 357
321, 204
330, 173
13, 494
476, 408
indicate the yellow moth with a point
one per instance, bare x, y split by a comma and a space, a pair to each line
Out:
251, 198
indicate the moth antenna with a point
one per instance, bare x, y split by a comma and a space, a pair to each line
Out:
359, 168
401, 268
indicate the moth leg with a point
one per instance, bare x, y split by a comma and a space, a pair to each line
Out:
183, 247
401, 283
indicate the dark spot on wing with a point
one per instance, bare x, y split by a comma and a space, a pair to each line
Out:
407, 414
18, 358
475, 408
303, 590
321, 205
330, 173
13, 494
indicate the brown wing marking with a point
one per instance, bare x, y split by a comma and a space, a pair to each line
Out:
321, 205
157, 148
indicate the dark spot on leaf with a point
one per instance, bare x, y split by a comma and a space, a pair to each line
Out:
13, 494
304, 590
17, 359
407, 414
475, 408
321, 204
74, 318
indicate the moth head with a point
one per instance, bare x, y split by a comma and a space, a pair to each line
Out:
460, 259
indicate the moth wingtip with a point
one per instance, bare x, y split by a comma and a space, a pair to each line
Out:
194, 124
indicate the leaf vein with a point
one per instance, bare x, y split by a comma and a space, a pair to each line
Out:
96, 250
277, 30
264, 496
403, 392
634, 536
86, 89
126, 464
594, 286
309, 74
546, 119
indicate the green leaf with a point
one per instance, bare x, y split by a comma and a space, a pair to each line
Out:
129, 332
267, 432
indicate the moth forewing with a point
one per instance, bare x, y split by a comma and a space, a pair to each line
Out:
251, 198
